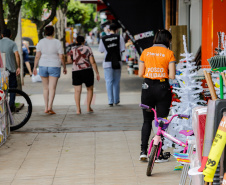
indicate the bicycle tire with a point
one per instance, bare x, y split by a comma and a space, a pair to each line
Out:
151, 160
25, 114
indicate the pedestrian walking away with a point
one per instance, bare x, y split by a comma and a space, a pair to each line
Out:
10, 48
82, 72
156, 66
112, 45
49, 57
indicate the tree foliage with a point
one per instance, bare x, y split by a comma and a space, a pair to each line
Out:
2, 16
91, 23
83, 14
34, 11
10, 9
78, 13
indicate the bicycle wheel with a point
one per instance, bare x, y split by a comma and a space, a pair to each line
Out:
151, 160
22, 109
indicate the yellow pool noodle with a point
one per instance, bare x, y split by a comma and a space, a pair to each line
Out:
216, 151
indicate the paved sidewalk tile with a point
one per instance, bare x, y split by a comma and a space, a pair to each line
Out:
101, 148
91, 158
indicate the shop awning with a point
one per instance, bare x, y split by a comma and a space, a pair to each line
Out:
141, 18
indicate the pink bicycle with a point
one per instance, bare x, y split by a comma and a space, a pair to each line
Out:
156, 143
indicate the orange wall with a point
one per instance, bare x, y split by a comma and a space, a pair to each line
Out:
219, 20
207, 30
213, 21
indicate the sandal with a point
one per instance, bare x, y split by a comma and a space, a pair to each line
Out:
51, 112
78, 113
90, 112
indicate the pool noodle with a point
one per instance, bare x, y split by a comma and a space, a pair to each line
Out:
209, 132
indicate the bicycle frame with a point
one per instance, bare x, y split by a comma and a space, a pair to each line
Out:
157, 140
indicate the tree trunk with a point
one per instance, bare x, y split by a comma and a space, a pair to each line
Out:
60, 27
13, 17
63, 23
14, 10
41, 24
18, 40
2, 21
60, 24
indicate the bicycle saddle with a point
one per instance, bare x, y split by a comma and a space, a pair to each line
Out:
187, 132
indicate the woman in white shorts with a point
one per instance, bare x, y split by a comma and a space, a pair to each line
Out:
49, 57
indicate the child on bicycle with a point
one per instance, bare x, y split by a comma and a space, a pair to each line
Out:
156, 66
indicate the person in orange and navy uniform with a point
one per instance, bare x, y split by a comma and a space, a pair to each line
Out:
156, 66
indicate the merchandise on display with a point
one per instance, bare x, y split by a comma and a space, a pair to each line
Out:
188, 93
217, 64
209, 133
131, 59
215, 121
216, 151
189, 161
198, 124
4, 118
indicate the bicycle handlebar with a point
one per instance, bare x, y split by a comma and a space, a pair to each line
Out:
155, 113
183, 116
144, 106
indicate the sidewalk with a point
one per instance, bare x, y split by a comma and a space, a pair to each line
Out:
88, 149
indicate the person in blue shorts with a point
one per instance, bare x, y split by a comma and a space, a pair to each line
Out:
49, 57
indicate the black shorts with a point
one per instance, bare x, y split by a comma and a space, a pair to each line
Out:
85, 76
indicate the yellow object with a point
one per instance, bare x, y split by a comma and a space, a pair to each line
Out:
183, 81
217, 85
29, 29
5, 86
54, 21
69, 35
1, 110
216, 151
